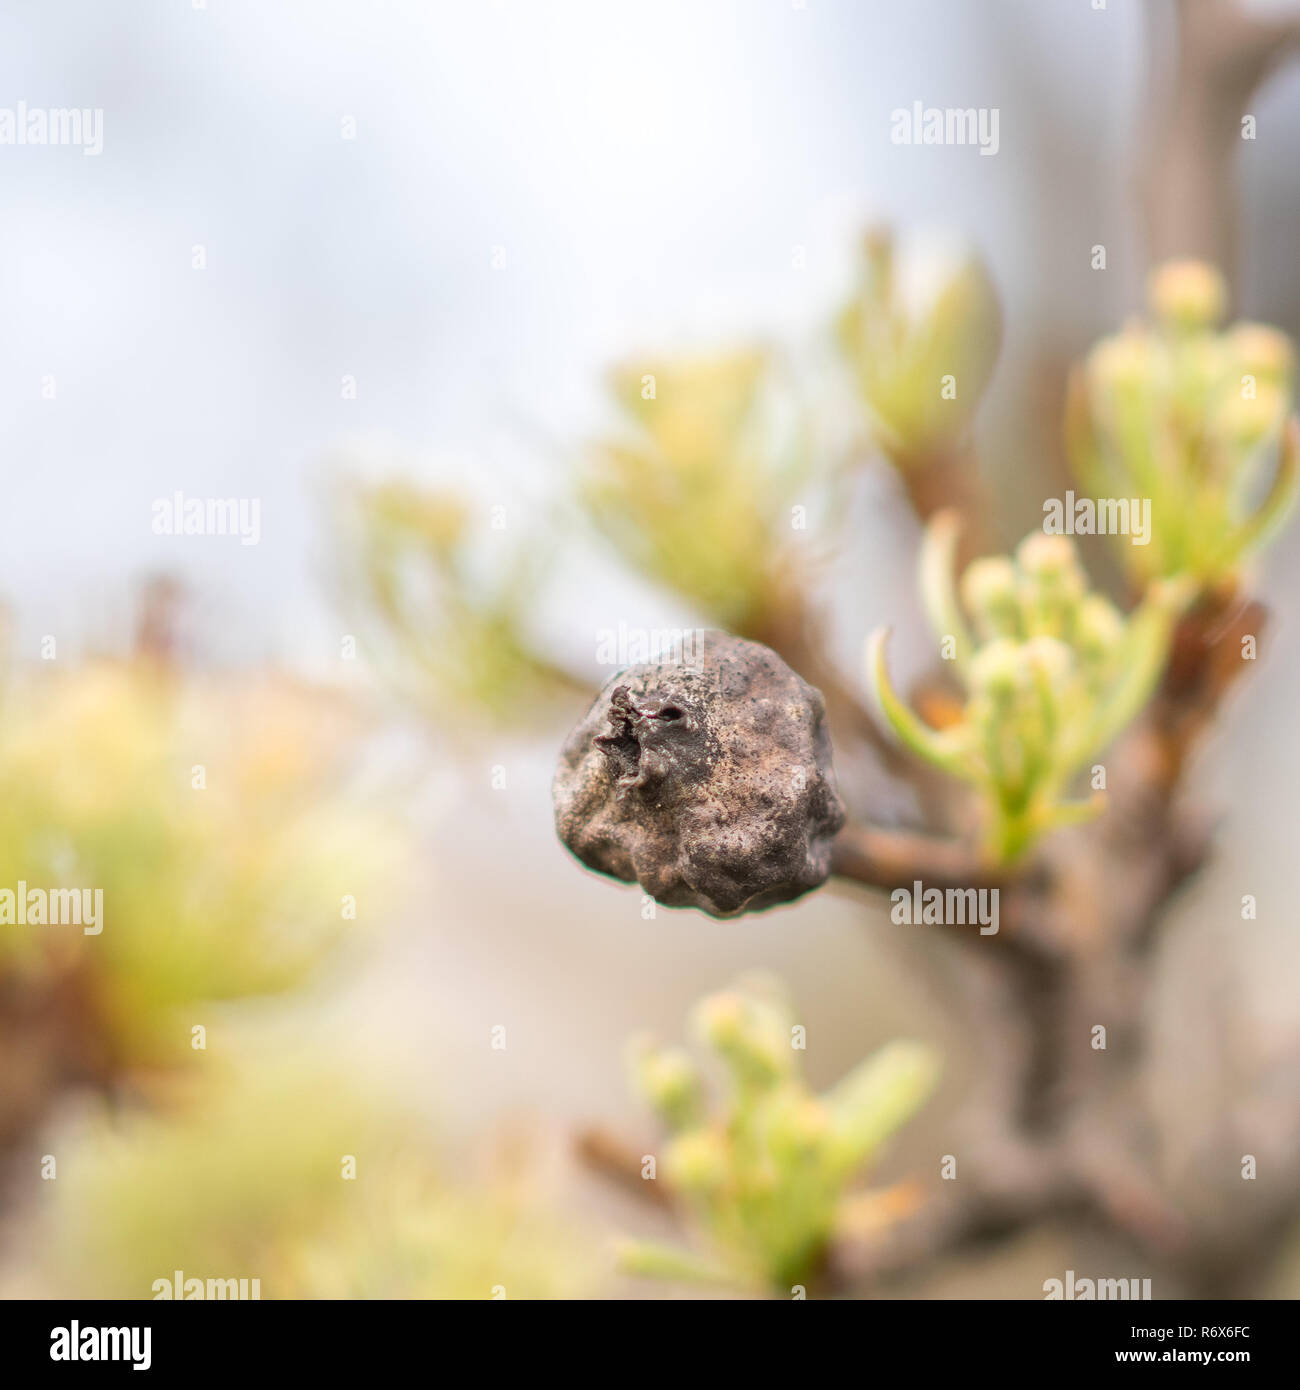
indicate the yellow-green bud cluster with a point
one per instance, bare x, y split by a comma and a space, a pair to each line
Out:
1036, 614
1194, 419
1053, 671
751, 1032
765, 1173
668, 1079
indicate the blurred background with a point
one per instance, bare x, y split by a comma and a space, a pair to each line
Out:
379, 268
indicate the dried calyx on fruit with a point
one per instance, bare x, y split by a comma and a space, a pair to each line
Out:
1053, 672
706, 780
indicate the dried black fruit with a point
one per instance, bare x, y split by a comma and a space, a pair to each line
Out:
708, 781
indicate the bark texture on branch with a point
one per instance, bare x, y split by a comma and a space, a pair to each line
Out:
1203, 77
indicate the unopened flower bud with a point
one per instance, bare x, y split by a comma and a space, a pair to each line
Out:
1187, 294
721, 1019
747, 1035
988, 589
797, 1124
1047, 557
669, 1081
1123, 363
998, 669
1052, 580
1261, 352
697, 1161
1050, 659
1247, 421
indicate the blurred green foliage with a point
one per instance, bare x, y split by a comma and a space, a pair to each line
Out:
917, 317
765, 1176
695, 492
450, 637
224, 892
1194, 419
248, 1181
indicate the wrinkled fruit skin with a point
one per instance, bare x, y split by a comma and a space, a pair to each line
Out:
707, 781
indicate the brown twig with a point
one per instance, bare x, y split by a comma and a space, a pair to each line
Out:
609, 1156
889, 859
1221, 54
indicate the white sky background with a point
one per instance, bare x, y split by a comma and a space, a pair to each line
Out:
647, 169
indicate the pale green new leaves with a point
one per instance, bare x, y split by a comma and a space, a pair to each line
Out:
695, 487
877, 1097
922, 319
438, 631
